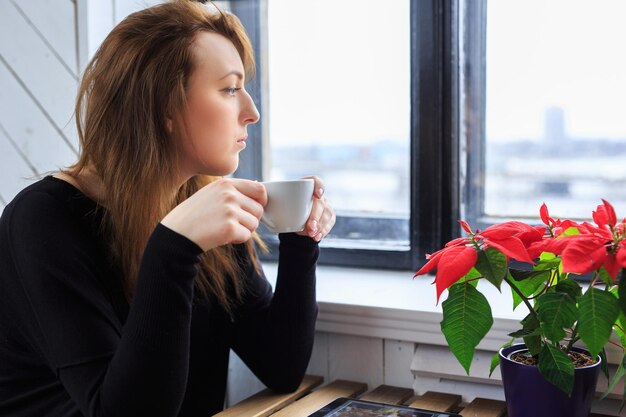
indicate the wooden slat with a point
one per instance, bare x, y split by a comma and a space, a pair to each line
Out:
388, 394
54, 21
319, 398
55, 88
436, 401
482, 407
266, 402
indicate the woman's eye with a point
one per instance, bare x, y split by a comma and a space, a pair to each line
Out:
231, 90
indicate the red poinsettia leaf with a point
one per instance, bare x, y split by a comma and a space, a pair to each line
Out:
587, 228
611, 265
583, 255
620, 255
543, 212
531, 235
555, 246
504, 230
433, 261
455, 263
511, 247
457, 242
465, 226
562, 226
610, 213
600, 216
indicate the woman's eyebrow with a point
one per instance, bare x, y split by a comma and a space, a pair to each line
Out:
233, 72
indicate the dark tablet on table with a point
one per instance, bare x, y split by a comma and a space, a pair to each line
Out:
350, 407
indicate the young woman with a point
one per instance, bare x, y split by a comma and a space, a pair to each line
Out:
126, 279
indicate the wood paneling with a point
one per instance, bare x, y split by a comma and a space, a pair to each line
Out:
266, 402
38, 66
54, 22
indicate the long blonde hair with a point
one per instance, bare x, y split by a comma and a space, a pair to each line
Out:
134, 83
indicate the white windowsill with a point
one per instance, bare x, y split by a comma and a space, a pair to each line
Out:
393, 305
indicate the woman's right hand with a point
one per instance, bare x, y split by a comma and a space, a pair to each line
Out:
225, 211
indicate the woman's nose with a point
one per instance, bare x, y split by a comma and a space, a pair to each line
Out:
250, 113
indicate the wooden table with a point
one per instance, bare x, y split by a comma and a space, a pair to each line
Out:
307, 400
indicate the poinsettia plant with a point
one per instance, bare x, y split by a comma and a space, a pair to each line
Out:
562, 310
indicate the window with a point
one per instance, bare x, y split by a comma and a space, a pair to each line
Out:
555, 126
388, 119
339, 104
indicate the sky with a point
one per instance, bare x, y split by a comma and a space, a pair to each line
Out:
338, 71
556, 53
340, 74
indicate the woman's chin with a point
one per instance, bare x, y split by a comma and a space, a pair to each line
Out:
222, 171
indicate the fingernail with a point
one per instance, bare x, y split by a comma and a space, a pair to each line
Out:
318, 237
320, 192
314, 227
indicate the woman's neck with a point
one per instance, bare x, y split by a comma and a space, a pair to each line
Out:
88, 182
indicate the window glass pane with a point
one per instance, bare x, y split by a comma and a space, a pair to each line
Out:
555, 114
339, 100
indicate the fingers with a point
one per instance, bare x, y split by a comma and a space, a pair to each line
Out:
248, 221
327, 221
321, 220
251, 206
252, 189
318, 188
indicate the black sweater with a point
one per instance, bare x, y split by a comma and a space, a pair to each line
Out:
70, 344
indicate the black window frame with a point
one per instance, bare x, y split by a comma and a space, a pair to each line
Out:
446, 178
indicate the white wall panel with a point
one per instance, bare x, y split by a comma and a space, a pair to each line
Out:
356, 358
46, 78
34, 134
14, 170
318, 364
241, 381
397, 364
125, 7
50, 19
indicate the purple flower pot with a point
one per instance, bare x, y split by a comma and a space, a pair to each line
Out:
528, 394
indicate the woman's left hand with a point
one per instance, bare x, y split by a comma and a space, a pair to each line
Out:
322, 217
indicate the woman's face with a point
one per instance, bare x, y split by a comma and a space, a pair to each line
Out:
218, 109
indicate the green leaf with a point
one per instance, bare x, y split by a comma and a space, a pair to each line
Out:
491, 263
619, 374
557, 368
619, 329
466, 320
621, 291
598, 312
532, 342
557, 311
547, 261
571, 231
603, 364
525, 333
520, 275
570, 287
495, 359
531, 285
470, 277
605, 276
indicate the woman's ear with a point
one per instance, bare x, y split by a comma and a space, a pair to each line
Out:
169, 124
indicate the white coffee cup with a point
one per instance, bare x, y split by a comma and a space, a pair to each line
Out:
288, 205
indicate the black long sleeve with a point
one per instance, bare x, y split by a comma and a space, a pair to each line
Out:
289, 317
71, 346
